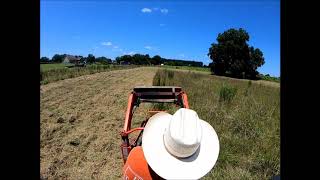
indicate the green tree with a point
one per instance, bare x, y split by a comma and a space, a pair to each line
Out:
147, 59
103, 60
91, 59
124, 59
233, 56
44, 59
141, 59
57, 58
83, 59
156, 60
118, 60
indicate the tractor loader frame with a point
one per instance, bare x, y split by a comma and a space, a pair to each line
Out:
150, 94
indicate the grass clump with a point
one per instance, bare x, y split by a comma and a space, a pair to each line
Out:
227, 93
246, 93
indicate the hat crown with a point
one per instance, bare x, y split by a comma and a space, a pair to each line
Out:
183, 135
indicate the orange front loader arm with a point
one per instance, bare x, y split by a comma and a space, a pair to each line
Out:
127, 120
158, 94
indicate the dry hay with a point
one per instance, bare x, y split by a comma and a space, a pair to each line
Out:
80, 122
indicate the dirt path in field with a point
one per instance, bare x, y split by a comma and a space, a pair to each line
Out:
80, 123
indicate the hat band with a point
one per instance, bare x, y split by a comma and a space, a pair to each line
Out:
177, 149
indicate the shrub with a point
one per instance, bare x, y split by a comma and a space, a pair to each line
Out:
44, 82
227, 93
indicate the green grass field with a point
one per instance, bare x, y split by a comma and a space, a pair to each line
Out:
47, 67
248, 126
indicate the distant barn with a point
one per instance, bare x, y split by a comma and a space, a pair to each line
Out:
69, 59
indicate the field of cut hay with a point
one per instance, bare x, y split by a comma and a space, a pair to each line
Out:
55, 72
80, 121
245, 115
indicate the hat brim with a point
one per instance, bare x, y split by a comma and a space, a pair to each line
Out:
170, 167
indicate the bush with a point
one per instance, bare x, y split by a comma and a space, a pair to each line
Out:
44, 82
227, 93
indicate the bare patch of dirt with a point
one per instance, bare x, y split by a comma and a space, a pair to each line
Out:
80, 123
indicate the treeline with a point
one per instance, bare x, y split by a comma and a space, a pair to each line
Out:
141, 59
136, 59
267, 77
58, 58
175, 62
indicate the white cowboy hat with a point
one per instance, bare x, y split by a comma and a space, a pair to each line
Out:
180, 146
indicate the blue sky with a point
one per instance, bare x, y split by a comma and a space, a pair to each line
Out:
171, 29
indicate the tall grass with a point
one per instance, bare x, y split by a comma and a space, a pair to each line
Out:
227, 93
248, 127
203, 69
55, 74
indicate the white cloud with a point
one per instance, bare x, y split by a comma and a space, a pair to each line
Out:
146, 10
164, 11
129, 53
106, 43
148, 47
182, 55
162, 25
116, 48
